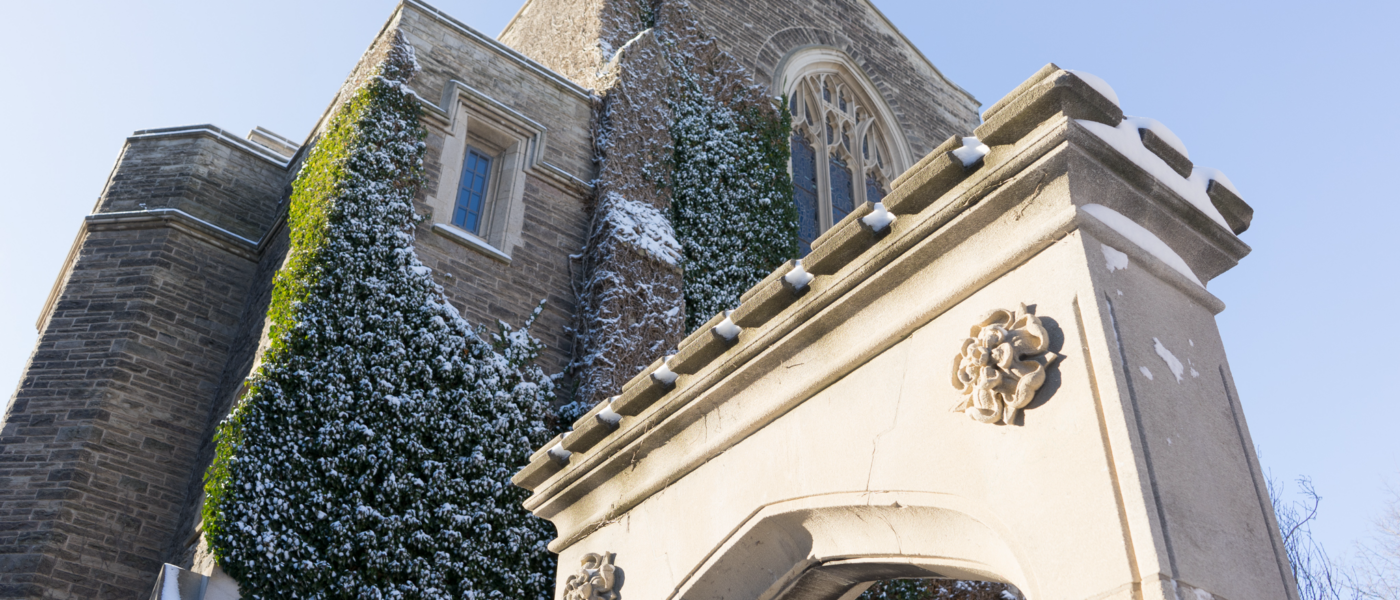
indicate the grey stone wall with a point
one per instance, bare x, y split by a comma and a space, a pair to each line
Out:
99, 446
201, 170
759, 33
576, 37
556, 222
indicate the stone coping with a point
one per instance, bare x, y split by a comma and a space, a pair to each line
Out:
217, 133
932, 205
146, 219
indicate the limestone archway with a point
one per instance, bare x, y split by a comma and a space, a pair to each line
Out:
1013, 374
825, 546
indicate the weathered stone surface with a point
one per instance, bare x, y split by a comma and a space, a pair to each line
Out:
761, 33
555, 222
100, 442
820, 451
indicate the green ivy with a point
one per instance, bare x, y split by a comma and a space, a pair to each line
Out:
731, 195
371, 456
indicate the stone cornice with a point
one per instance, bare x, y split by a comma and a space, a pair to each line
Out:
200, 229
211, 131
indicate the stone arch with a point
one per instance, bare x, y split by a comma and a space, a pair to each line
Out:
818, 59
778, 51
826, 546
847, 144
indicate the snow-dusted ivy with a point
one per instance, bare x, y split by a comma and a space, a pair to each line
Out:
371, 456
731, 196
939, 589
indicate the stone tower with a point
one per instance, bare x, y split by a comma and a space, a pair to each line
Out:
159, 313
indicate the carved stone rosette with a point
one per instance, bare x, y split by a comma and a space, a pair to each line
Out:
598, 579
1001, 365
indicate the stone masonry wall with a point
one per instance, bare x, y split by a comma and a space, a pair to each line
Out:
245, 351
576, 38
198, 171
447, 49
484, 288
97, 448
760, 33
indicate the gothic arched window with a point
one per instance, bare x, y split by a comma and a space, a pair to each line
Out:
842, 150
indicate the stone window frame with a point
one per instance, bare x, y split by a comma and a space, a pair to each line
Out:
857, 112
513, 141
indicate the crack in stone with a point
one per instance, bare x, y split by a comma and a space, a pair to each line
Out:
899, 402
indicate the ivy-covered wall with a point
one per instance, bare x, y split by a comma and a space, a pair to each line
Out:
731, 196
372, 454
683, 131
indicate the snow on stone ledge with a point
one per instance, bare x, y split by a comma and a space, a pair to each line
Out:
644, 226
1145, 239
1203, 175
1098, 84
1166, 135
972, 150
1125, 139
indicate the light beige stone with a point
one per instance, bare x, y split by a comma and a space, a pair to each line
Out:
819, 452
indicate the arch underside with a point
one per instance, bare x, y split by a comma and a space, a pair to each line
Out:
823, 547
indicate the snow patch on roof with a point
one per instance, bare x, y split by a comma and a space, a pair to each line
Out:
1146, 373
1139, 235
1098, 84
1125, 139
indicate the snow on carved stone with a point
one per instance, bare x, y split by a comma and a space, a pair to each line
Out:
608, 415
1098, 84
798, 277
1169, 358
1146, 373
879, 218
1116, 259
1125, 139
1144, 239
1202, 176
727, 329
663, 374
1161, 131
643, 226
972, 150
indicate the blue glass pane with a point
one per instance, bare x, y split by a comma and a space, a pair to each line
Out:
804, 183
874, 192
471, 194
842, 194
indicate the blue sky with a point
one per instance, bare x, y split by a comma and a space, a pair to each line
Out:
1294, 101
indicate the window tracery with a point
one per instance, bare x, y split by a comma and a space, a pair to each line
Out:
841, 155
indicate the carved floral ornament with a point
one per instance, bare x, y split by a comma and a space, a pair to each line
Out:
598, 579
1001, 365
